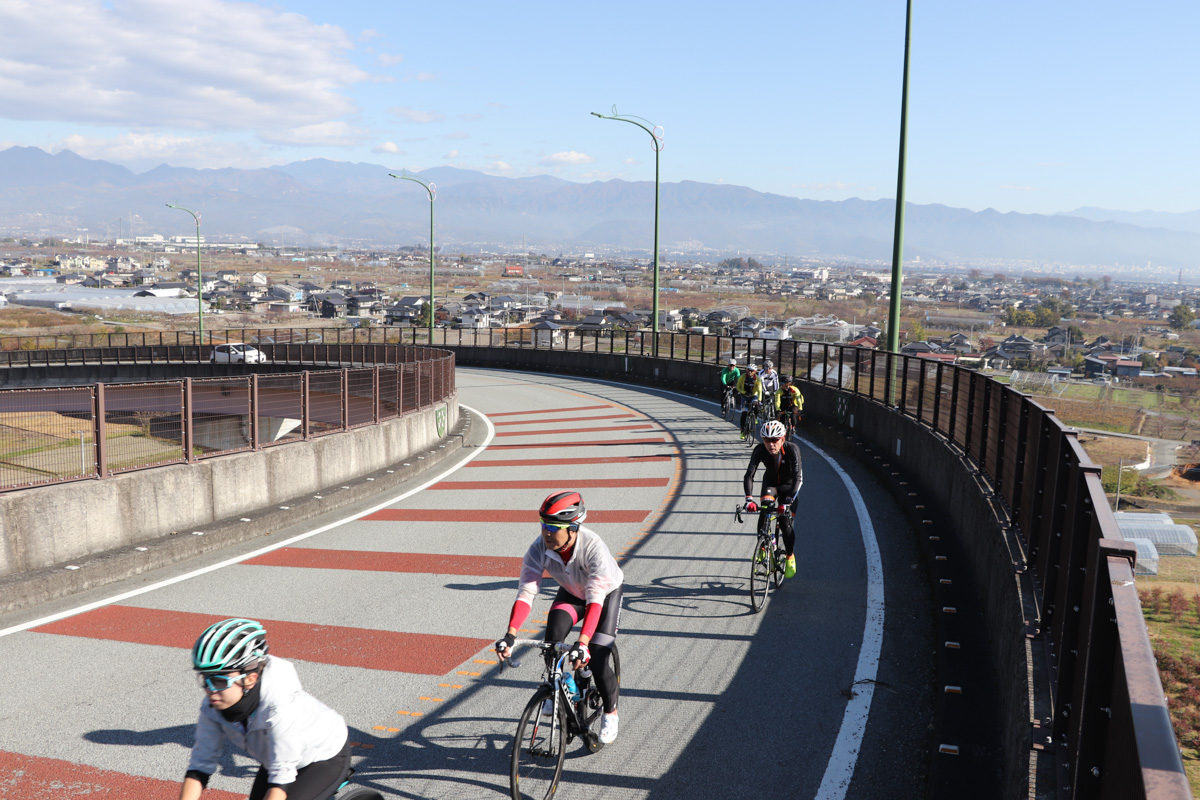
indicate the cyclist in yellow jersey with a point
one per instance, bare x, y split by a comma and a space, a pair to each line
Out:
750, 388
789, 402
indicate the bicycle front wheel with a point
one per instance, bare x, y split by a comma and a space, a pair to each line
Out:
760, 573
539, 750
779, 558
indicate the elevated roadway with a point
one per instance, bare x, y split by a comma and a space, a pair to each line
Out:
390, 615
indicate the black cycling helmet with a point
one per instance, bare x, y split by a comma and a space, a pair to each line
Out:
785, 378
563, 507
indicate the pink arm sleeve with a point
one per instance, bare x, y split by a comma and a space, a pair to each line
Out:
590, 620
520, 611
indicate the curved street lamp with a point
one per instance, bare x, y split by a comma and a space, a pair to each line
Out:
432, 189
656, 136
199, 274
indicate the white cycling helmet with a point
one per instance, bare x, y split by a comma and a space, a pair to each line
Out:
733, 362
772, 429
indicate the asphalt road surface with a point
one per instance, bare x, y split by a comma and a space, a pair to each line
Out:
390, 618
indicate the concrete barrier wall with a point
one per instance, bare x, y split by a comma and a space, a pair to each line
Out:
46, 526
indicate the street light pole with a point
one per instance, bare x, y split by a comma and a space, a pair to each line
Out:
656, 137
432, 189
199, 274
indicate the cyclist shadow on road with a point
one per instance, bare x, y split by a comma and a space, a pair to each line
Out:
185, 737
688, 596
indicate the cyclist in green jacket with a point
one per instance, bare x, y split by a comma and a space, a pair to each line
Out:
729, 380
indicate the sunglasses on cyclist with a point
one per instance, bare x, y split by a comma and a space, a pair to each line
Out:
217, 683
772, 439
550, 527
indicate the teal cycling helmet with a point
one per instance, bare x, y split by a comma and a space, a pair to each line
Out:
229, 645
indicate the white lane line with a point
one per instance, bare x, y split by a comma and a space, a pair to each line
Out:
229, 562
844, 758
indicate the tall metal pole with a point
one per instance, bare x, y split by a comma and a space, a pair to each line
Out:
656, 136
432, 189
199, 275
893, 340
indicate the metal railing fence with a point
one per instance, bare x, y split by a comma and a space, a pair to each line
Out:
1110, 724
55, 434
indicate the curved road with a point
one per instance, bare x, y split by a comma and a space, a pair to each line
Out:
391, 617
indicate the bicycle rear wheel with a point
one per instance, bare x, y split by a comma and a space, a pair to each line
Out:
760, 574
592, 707
538, 751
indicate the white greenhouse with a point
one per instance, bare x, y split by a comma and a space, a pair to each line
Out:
1171, 540
1147, 557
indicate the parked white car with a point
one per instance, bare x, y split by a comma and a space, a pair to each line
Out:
236, 353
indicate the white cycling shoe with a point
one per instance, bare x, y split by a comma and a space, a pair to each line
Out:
608, 728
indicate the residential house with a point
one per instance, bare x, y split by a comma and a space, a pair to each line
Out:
548, 334
476, 318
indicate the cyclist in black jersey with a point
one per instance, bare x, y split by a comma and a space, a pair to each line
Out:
782, 479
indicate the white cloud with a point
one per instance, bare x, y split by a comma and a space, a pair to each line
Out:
216, 65
390, 59
631, 161
426, 76
1019, 188
390, 148
451, 154
321, 134
419, 117
569, 158
498, 168
458, 135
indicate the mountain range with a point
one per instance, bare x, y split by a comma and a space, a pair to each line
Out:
330, 202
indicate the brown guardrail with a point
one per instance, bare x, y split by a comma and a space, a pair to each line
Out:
63, 433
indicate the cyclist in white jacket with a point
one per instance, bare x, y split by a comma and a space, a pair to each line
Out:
255, 701
589, 588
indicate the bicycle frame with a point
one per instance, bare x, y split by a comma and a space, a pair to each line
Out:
553, 676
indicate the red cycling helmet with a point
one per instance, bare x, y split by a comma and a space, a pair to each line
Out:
564, 507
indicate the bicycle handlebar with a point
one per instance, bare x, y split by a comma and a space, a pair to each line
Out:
557, 647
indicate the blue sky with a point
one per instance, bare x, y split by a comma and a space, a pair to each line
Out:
1018, 106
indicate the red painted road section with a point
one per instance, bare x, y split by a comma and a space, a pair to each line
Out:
599, 443
366, 561
560, 419
586, 483
548, 410
641, 427
416, 653
35, 778
554, 462
489, 515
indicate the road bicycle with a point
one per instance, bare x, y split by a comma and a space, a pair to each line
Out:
790, 420
754, 417
728, 404
540, 747
769, 562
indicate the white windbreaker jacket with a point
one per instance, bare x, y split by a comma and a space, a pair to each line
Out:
591, 573
290, 728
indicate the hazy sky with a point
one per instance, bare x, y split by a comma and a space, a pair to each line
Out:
1024, 105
